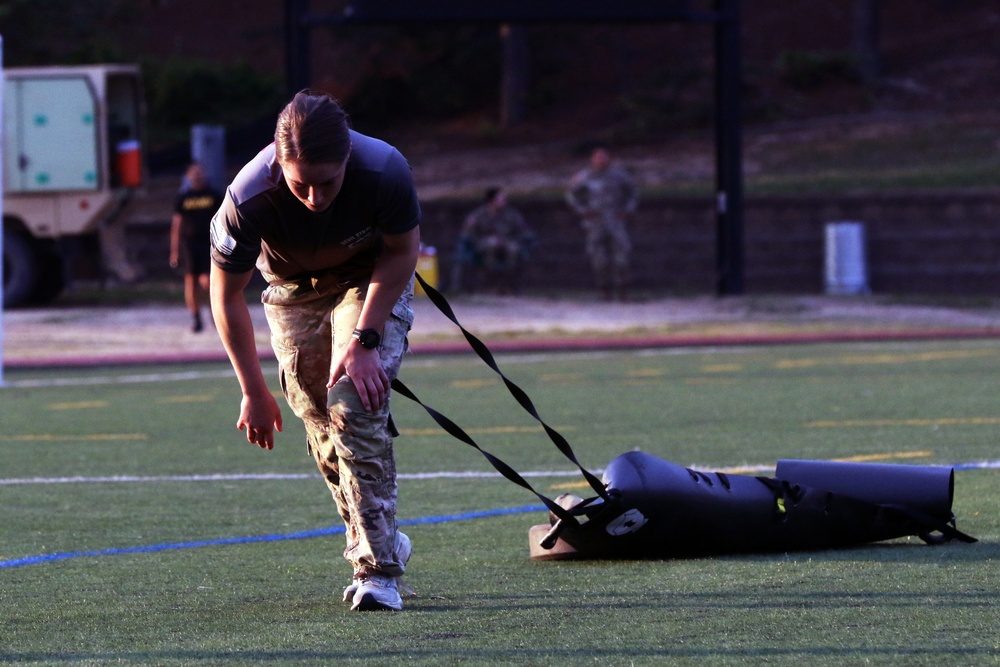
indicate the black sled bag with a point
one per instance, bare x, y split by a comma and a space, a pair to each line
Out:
657, 509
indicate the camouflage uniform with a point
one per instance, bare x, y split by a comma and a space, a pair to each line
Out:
497, 240
604, 200
498, 236
352, 447
318, 266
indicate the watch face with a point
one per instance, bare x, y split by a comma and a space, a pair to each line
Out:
369, 339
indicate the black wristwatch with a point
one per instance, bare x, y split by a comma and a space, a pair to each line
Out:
369, 338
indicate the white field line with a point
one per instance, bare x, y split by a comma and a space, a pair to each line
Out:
249, 477
138, 479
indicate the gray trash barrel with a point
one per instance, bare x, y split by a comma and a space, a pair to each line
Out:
846, 266
208, 146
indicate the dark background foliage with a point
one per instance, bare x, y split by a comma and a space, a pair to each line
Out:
224, 62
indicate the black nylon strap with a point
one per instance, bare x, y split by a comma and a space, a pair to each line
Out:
519, 394
453, 429
948, 532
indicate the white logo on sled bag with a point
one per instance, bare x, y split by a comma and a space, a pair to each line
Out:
629, 522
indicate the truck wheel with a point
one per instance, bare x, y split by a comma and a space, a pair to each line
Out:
20, 269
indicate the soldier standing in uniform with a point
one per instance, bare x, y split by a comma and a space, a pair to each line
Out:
497, 237
330, 217
604, 195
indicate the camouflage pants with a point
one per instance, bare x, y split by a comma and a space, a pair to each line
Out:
352, 447
608, 247
498, 253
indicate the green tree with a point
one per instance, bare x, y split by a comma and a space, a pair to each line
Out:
50, 32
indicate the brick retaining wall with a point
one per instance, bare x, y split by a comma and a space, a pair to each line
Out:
916, 244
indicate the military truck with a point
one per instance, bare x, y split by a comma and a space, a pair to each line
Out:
72, 159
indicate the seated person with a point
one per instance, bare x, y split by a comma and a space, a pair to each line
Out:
496, 239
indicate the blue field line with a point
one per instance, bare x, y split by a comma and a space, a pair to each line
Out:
302, 535
980, 465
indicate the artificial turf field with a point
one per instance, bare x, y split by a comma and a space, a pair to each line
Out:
138, 526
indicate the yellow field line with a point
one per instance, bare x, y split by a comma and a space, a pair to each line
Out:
474, 384
882, 359
861, 458
93, 437
561, 377
78, 405
194, 398
645, 373
940, 421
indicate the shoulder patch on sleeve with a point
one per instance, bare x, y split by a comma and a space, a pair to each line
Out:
221, 240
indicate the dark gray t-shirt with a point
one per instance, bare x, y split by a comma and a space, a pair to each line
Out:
262, 224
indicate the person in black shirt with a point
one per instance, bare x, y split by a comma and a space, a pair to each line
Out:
190, 234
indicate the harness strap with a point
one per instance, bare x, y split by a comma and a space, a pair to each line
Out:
519, 394
948, 532
453, 429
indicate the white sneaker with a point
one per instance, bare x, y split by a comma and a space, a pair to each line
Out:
403, 549
377, 593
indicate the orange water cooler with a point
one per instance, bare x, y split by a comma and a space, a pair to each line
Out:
129, 163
